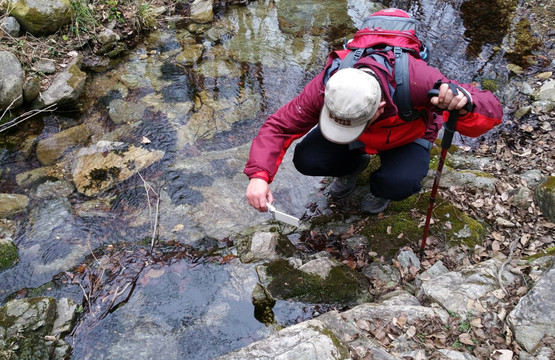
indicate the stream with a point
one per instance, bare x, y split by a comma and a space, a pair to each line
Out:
193, 298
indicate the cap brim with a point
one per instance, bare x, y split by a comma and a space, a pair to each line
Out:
337, 133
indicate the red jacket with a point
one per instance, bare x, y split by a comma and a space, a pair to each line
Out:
296, 118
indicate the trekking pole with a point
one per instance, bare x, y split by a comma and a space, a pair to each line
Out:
448, 132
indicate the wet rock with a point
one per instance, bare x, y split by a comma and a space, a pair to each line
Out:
10, 25
103, 165
545, 197
123, 112
66, 88
11, 81
11, 204
27, 178
52, 189
42, 17
27, 328
52, 148
190, 55
453, 290
8, 253
534, 316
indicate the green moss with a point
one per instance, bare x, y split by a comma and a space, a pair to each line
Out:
547, 252
549, 184
342, 349
342, 286
478, 173
489, 84
8, 254
400, 227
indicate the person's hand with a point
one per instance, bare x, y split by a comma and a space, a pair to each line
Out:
258, 194
447, 100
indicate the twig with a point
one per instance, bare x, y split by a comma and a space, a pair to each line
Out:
86, 296
149, 188
25, 116
9, 106
155, 223
509, 258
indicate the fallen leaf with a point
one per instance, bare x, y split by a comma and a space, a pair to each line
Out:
155, 273
499, 293
522, 290
465, 339
363, 324
401, 321
411, 332
501, 354
145, 140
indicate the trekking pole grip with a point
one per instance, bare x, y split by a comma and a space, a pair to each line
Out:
450, 126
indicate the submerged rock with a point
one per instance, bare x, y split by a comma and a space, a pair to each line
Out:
11, 204
101, 166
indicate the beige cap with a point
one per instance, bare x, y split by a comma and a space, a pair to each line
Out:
351, 100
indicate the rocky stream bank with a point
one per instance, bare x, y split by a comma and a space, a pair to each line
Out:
483, 288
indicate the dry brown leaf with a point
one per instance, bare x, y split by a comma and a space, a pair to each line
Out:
401, 321
411, 332
466, 339
501, 354
363, 324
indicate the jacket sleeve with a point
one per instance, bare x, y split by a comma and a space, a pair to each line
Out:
487, 112
290, 122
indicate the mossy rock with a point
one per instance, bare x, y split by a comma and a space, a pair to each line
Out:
343, 285
400, 225
545, 197
8, 254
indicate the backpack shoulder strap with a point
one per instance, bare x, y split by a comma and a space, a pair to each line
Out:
401, 97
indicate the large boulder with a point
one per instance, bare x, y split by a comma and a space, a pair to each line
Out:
534, 316
41, 17
11, 81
